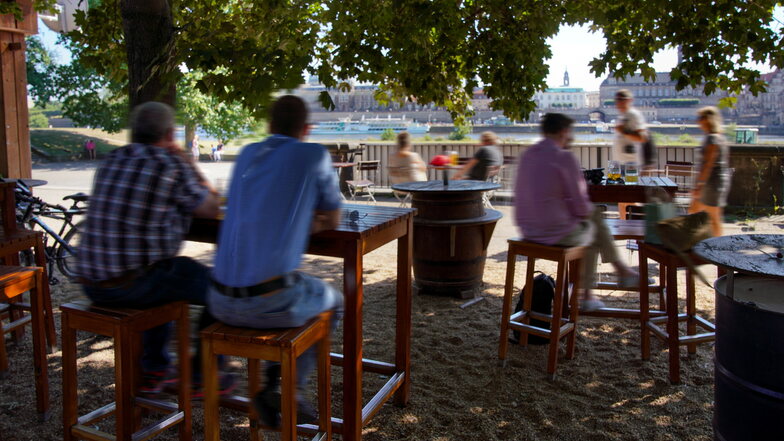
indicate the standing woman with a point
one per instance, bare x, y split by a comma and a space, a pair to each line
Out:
713, 177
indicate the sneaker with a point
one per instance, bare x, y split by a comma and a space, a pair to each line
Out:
153, 382
591, 305
226, 385
267, 404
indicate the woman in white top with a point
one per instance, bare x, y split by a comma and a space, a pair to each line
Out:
405, 165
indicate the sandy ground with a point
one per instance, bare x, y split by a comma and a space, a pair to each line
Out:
458, 390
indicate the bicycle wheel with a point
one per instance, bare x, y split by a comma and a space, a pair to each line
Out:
65, 259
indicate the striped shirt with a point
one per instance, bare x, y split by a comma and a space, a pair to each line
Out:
140, 209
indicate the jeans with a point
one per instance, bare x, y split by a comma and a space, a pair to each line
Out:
169, 280
288, 308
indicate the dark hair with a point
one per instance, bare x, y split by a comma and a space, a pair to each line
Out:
150, 122
288, 116
554, 123
403, 140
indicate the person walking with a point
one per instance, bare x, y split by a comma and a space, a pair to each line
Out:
713, 178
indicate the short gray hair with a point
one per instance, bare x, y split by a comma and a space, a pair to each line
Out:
150, 122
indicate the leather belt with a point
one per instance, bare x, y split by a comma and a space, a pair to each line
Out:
120, 281
261, 289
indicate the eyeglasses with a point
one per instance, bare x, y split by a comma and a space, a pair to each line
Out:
354, 217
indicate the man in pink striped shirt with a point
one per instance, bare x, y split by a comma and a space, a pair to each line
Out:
552, 206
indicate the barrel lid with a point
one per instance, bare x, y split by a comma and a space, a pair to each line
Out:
438, 186
764, 293
755, 254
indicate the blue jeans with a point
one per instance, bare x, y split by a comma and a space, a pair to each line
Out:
168, 280
288, 308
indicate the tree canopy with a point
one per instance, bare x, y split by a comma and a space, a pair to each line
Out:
424, 50
91, 99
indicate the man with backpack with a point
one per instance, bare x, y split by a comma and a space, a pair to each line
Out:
552, 206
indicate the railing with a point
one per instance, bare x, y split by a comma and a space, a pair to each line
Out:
590, 156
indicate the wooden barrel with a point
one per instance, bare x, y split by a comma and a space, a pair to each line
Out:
749, 364
451, 232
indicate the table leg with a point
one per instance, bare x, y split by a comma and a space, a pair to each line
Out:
672, 322
39, 351
403, 326
352, 343
645, 336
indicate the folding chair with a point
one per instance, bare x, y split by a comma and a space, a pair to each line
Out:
366, 170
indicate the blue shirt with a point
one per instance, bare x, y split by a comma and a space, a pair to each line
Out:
276, 187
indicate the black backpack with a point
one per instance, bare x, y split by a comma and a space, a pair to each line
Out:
541, 302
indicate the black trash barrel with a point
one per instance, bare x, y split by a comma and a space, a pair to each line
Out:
749, 389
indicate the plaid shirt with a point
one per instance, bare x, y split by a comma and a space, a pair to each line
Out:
140, 209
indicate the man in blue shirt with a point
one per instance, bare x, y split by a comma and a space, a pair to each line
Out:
282, 191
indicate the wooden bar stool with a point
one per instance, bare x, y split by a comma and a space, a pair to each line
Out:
669, 262
632, 230
124, 326
563, 319
15, 281
281, 345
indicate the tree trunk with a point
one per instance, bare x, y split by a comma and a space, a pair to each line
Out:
149, 31
190, 131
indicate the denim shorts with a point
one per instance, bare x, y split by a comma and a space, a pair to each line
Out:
287, 308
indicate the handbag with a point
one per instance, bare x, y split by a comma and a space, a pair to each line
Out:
681, 233
658, 208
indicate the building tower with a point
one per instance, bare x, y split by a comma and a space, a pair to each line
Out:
566, 78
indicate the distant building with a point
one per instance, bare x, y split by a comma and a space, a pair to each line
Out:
561, 98
766, 108
658, 99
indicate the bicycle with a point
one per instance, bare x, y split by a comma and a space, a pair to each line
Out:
59, 245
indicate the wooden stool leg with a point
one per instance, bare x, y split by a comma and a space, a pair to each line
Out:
325, 386
39, 349
253, 389
209, 380
672, 324
574, 274
70, 397
555, 321
691, 311
184, 362
288, 397
506, 310
645, 335
3, 353
124, 368
528, 296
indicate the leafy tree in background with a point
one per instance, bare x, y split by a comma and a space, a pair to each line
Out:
435, 51
93, 100
387, 135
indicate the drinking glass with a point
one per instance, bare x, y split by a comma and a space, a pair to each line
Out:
631, 173
613, 172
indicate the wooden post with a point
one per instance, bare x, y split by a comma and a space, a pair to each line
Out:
15, 160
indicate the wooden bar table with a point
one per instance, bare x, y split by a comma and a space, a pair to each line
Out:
629, 193
362, 229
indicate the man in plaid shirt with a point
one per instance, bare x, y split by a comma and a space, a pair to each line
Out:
144, 195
